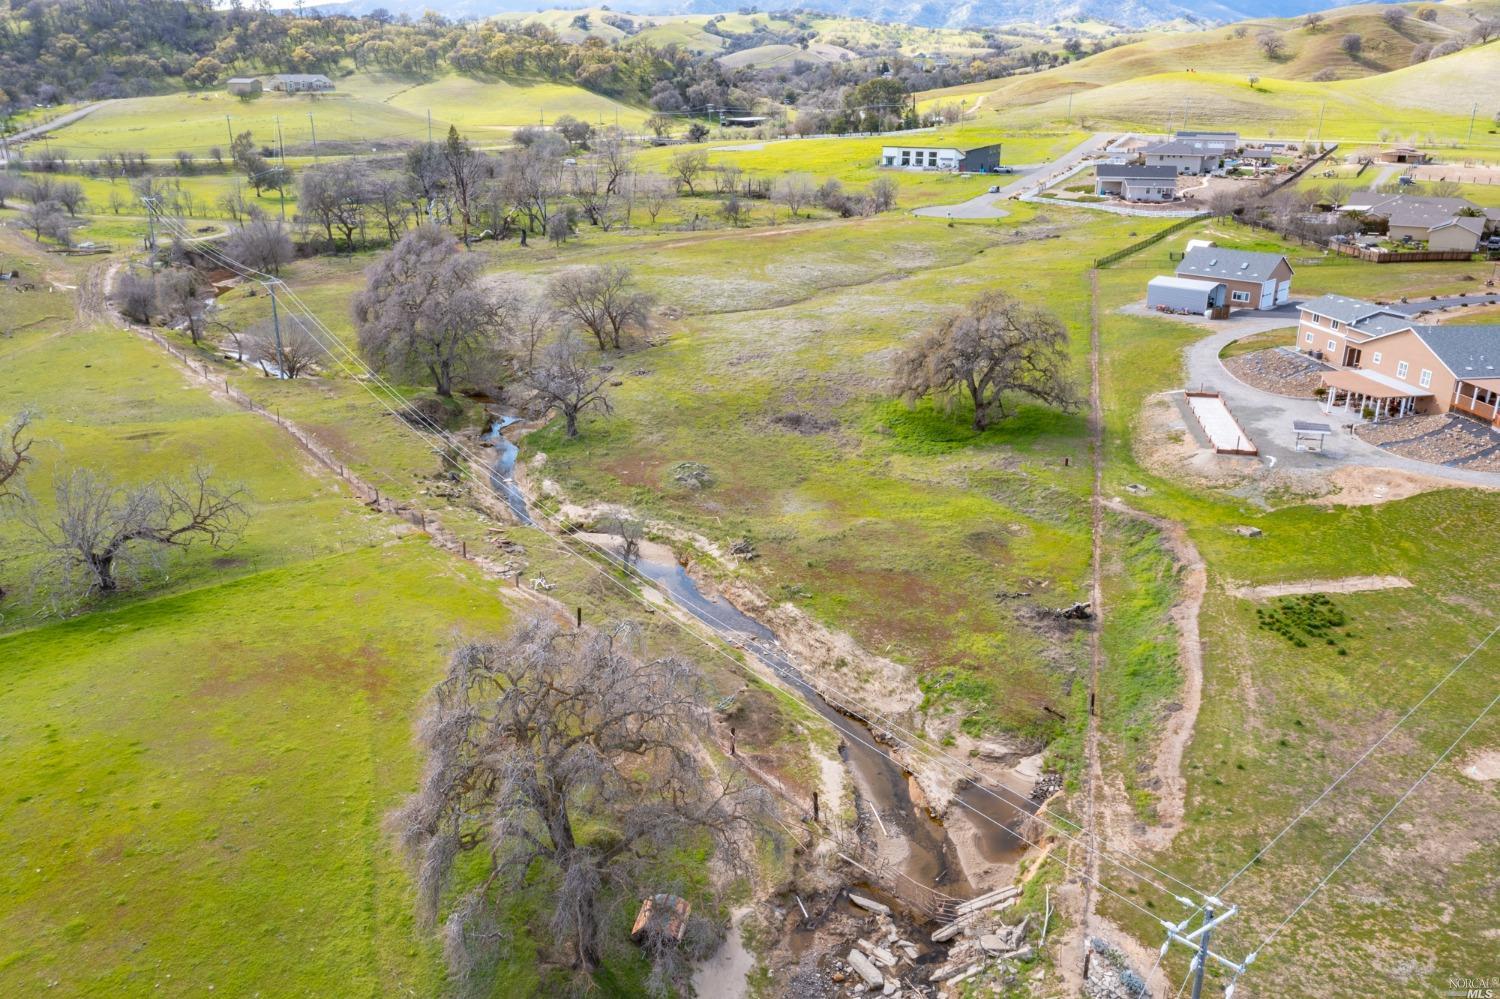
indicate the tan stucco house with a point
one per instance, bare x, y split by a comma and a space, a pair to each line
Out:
1393, 366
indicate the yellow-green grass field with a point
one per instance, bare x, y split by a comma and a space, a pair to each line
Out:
853, 160
479, 106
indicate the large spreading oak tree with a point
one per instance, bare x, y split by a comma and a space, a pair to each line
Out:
994, 346
425, 312
564, 769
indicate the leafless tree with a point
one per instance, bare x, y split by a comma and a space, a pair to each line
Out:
591, 189
46, 218
1272, 45
533, 176
234, 204
631, 533
425, 311
101, 535
1484, 29
564, 379
179, 299
467, 170
994, 346
616, 159
688, 166
10, 187
883, 192
70, 195
1394, 17
15, 443
335, 197
727, 178
1352, 44
296, 355
389, 197
529, 321
134, 294
559, 229
654, 192
262, 244
735, 210
1313, 22
530, 742
795, 190
600, 299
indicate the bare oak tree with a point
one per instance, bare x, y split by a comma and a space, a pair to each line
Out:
564, 379
795, 190
296, 354
15, 442
996, 345
179, 299
262, 244
568, 769
688, 166
600, 299
424, 310
101, 535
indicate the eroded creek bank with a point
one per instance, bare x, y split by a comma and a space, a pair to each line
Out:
956, 837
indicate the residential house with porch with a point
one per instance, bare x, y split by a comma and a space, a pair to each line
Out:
1391, 366
979, 159
1255, 280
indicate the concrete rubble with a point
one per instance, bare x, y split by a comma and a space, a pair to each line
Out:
974, 947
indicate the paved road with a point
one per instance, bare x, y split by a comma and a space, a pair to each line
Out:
1267, 418
983, 206
1417, 308
58, 122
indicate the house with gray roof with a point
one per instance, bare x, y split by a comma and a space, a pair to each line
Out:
1388, 365
1190, 158
1416, 218
1134, 182
1255, 280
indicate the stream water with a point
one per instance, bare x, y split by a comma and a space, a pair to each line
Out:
883, 788
503, 471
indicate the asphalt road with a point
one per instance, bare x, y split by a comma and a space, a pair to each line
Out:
58, 122
985, 206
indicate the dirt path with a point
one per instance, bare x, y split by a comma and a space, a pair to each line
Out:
1349, 584
1166, 766
1093, 768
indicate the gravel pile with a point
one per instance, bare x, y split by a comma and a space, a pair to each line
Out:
1279, 370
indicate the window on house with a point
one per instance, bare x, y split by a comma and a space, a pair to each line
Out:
1425, 379
1332, 346
1375, 357
1307, 337
1333, 324
1240, 296
1402, 369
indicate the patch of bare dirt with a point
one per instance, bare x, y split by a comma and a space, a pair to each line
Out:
1348, 584
1483, 765
1354, 486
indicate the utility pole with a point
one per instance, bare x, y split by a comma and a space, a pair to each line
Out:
429, 126
150, 204
314, 126
1319, 138
276, 328
1202, 959
1070, 109
1472, 114
284, 176
230, 130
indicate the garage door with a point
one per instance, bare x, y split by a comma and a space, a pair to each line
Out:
1283, 292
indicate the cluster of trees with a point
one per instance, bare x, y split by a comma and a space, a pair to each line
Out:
562, 767
426, 314
51, 206
98, 535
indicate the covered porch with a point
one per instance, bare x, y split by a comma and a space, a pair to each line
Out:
1355, 391
1479, 398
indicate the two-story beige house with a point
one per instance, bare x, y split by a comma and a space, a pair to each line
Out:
1388, 364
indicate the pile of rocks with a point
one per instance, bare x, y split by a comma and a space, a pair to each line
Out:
1110, 975
1455, 441
1046, 786
1279, 370
1404, 429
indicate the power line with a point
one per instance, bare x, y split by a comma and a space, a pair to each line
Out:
1362, 757
1271, 937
